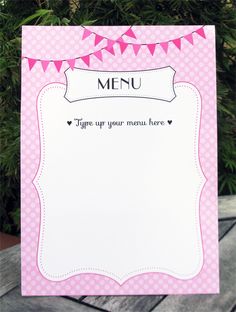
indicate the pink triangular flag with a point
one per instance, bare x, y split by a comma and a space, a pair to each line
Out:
57, 65
86, 33
189, 38
98, 39
123, 46
71, 63
98, 55
44, 64
151, 47
164, 46
177, 43
130, 33
110, 50
110, 43
31, 63
120, 39
86, 59
201, 32
136, 48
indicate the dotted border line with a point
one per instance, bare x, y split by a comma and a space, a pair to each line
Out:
95, 270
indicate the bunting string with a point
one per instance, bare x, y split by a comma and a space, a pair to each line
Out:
109, 47
98, 38
85, 58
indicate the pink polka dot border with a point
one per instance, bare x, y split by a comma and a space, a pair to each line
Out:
194, 64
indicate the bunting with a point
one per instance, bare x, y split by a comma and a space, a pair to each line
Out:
71, 63
177, 43
31, 63
136, 48
58, 64
189, 38
86, 33
130, 33
109, 47
201, 32
98, 55
98, 39
45, 64
164, 46
151, 47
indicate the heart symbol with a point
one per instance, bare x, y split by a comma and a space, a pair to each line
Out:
69, 122
169, 122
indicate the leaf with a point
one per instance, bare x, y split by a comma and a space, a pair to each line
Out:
37, 14
89, 23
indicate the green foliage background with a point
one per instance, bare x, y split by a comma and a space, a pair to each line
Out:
15, 13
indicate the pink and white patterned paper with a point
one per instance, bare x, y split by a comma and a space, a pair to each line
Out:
47, 52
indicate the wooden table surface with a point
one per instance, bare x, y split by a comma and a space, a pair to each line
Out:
11, 299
